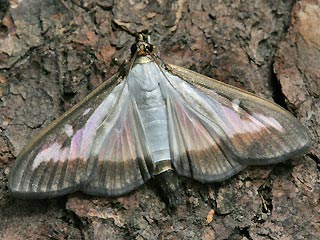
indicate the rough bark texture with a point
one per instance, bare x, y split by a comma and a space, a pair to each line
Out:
53, 52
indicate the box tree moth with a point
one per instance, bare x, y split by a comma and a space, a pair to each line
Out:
153, 119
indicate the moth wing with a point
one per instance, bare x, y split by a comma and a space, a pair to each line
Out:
197, 151
67, 155
123, 156
218, 128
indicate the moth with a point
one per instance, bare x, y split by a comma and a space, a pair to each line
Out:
153, 119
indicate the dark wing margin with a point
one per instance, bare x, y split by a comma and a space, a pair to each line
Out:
64, 157
230, 127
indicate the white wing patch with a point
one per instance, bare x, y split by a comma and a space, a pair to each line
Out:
86, 111
68, 130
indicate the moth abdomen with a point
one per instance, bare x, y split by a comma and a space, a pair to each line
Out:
169, 188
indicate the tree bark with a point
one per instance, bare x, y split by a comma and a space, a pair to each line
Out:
53, 53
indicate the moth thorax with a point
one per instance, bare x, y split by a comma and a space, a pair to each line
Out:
143, 59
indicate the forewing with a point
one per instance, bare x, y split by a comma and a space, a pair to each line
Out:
65, 157
246, 128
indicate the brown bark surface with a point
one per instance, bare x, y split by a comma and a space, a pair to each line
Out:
54, 52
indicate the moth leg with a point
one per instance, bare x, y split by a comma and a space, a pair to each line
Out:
168, 183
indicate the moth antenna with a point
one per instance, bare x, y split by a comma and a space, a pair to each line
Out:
149, 39
139, 37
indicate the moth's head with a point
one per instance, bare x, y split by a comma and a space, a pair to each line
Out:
142, 46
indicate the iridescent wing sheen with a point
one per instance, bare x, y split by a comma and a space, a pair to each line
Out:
96, 147
123, 156
197, 150
216, 128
